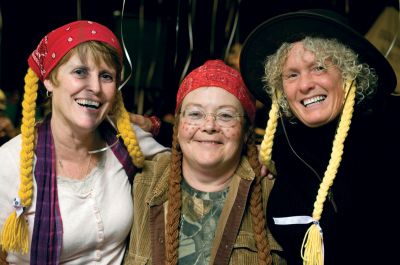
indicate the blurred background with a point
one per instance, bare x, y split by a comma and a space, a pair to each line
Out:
165, 39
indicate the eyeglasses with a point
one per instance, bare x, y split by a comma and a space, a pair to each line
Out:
224, 118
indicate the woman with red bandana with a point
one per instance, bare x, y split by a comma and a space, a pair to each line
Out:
205, 202
66, 180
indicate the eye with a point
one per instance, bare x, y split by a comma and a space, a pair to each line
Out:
107, 77
319, 68
80, 72
194, 114
290, 75
226, 115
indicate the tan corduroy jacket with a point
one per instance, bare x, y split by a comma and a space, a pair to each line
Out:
234, 242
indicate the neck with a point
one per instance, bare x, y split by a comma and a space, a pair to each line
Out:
71, 145
72, 151
207, 180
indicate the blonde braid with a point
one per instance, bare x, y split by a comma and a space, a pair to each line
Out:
174, 202
268, 141
128, 134
14, 235
312, 249
256, 206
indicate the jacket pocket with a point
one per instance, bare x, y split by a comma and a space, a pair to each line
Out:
244, 250
245, 240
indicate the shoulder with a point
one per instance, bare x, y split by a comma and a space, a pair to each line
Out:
9, 175
244, 170
151, 184
13, 146
10, 154
153, 169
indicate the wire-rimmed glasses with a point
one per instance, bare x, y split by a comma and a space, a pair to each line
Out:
224, 117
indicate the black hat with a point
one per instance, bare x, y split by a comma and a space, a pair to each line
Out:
290, 27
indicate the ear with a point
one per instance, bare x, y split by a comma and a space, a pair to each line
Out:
49, 85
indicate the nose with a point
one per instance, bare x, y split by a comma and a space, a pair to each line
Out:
306, 83
210, 123
94, 84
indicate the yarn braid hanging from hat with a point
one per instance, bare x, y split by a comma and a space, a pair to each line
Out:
312, 248
51, 49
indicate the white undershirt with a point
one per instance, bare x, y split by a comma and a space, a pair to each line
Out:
97, 212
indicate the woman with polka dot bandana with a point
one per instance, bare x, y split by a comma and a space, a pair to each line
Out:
65, 179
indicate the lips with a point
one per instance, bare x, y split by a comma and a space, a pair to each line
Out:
87, 103
209, 142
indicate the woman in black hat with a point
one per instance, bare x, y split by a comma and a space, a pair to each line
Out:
331, 88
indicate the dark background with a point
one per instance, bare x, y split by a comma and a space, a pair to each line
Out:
156, 34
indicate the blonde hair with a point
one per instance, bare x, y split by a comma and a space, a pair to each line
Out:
175, 202
14, 234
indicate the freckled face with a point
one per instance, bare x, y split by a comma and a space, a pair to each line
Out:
84, 94
210, 146
315, 94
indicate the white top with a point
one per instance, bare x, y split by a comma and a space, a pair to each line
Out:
96, 212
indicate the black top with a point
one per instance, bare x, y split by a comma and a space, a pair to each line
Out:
363, 192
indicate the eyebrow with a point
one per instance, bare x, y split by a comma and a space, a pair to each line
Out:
219, 107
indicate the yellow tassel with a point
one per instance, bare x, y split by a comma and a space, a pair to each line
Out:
14, 236
312, 249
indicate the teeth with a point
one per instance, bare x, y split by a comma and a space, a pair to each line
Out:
313, 100
88, 103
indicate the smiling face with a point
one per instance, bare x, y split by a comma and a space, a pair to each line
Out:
210, 147
314, 92
83, 94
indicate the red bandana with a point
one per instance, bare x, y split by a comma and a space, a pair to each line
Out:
217, 73
61, 40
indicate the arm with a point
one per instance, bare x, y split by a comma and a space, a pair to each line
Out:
148, 145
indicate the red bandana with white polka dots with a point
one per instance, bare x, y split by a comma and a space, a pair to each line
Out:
58, 42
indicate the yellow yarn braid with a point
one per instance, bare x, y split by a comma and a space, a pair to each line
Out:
14, 235
268, 140
128, 135
312, 247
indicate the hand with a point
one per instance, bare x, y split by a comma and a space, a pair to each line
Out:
143, 122
264, 170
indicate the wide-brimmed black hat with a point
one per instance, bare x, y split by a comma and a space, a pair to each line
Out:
290, 27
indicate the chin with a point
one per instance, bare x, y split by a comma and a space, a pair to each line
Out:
313, 123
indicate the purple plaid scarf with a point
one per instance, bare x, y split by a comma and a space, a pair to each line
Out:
48, 230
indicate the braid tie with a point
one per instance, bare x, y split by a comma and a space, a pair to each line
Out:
128, 134
268, 141
14, 235
174, 202
312, 250
256, 207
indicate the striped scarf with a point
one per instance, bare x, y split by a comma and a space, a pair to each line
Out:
48, 229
